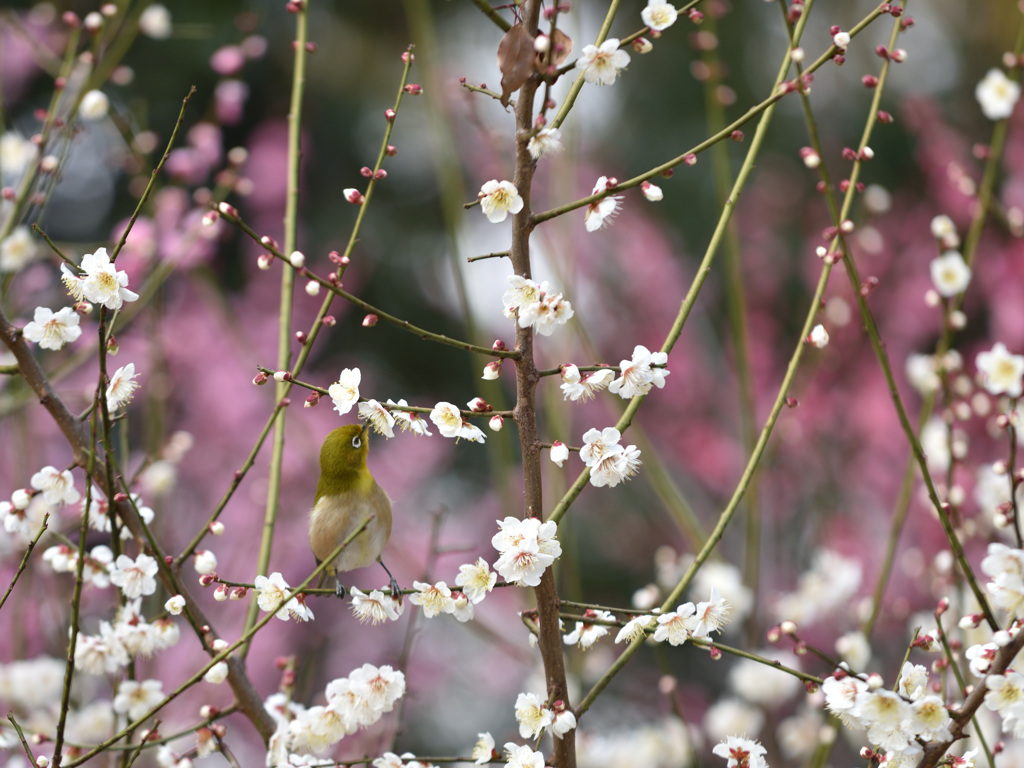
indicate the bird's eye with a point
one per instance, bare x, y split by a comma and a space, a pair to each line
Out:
357, 441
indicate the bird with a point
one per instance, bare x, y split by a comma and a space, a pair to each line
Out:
346, 494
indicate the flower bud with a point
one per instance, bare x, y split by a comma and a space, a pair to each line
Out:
297, 259
496, 422
353, 196
312, 288
228, 210
479, 405
370, 320
642, 45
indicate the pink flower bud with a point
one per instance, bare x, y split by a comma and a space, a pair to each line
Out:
690, 159
479, 405
389, 115
313, 400
297, 259
870, 81
412, 89
217, 528
884, 117
380, 174
228, 210
695, 16
353, 196
238, 593
207, 579
370, 320
408, 57
496, 422
366, 171
391, 150
300, 336
311, 47
492, 370
220, 594
329, 320
642, 45
263, 261
260, 379
210, 218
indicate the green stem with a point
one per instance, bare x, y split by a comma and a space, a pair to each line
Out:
284, 338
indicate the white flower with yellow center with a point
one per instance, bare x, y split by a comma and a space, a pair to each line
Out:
498, 199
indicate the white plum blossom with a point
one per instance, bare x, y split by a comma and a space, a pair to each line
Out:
484, 749
601, 64
535, 305
498, 199
134, 577
375, 607
944, 230
204, 561
531, 714
676, 626
476, 579
522, 756
102, 284
659, 15
271, 592
1001, 372
1005, 566
344, 392
601, 212
842, 697
711, 616
16, 154
921, 373
997, 95
18, 249
136, 698
547, 141
122, 386
448, 419
175, 605
155, 22
57, 487
378, 416
741, 753
950, 274
588, 633
637, 375
576, 386
100, 654
610, 463
52, 330
634, 628
410, 421
527, 547
434, 599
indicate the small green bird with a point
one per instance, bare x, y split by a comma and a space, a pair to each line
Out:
345, 494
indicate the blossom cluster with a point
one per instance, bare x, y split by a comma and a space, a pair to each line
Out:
535, 304
692, 621
129, 636
447, 417
894, 720
610, 462
535, 717
353, 702
271, 594
526, 548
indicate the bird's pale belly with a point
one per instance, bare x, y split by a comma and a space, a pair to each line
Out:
331, 523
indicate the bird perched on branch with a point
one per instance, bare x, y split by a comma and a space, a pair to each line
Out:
346, 495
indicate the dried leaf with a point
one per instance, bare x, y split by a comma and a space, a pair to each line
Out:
515, 60
561, 47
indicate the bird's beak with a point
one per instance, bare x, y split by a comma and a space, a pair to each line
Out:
366, 429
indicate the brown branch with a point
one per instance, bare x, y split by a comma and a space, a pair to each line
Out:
248, 700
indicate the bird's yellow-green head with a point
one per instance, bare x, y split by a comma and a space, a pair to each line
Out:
343, 462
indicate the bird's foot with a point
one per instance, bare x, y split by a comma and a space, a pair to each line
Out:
340, 590
396, 591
